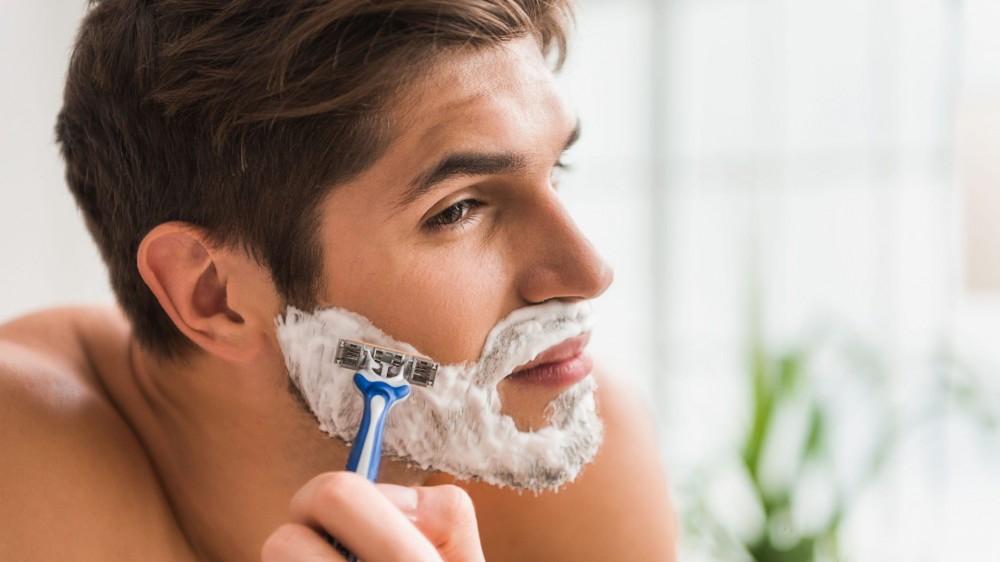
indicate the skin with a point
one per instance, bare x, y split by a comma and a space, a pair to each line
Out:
112, 454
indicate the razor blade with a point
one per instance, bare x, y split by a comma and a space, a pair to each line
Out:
386, 362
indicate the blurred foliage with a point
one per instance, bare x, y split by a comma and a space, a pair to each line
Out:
775, 465
776, 382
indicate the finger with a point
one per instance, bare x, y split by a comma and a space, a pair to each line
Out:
297, 543
349, 508
446, 516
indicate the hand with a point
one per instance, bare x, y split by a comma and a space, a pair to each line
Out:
377, 522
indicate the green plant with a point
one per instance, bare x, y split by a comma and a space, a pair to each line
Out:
798, 389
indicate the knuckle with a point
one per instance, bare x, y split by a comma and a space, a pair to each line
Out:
456, 504
335, 489
282, 542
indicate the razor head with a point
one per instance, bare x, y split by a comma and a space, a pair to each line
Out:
385, 362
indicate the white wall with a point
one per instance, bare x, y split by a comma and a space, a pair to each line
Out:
46, 256
800, 160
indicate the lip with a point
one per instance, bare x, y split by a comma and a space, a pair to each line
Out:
562, 365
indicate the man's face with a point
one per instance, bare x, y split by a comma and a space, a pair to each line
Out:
458, 224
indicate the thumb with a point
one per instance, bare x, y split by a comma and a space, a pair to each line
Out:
444, 515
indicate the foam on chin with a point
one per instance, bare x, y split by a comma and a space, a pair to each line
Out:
456, 426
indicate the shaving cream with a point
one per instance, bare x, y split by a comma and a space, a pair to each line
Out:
456, 426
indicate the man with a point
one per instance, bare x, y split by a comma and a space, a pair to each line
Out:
394, 159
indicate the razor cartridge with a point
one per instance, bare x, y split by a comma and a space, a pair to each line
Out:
386, 362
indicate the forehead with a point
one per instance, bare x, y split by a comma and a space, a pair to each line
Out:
501, 98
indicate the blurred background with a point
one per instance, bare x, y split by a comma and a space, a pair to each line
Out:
799, 199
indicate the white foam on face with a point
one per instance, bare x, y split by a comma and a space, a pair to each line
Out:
456, 426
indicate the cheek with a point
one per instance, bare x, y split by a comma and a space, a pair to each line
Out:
443, 303
453, 314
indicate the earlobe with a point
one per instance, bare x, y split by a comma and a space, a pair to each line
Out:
190, 280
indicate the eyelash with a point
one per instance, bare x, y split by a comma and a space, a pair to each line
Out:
464, 207
442, 221
558, 170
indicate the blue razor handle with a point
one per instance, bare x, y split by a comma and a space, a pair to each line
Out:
379, 395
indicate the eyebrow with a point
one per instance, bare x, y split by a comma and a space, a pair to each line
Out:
471, 164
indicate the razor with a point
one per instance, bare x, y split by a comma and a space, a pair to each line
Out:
383, 377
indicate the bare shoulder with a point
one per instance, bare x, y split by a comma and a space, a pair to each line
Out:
618, 509
74, 479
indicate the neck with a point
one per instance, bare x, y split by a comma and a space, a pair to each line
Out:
232, 444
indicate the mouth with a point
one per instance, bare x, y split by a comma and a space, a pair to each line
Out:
563, 365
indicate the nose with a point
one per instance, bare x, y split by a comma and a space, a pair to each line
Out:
558, 262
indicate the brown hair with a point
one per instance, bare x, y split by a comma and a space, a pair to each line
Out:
239, 116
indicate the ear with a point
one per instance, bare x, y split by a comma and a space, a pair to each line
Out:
194, 280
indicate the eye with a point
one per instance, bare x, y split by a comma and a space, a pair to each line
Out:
455, 215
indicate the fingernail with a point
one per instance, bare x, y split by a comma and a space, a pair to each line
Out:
403, 497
